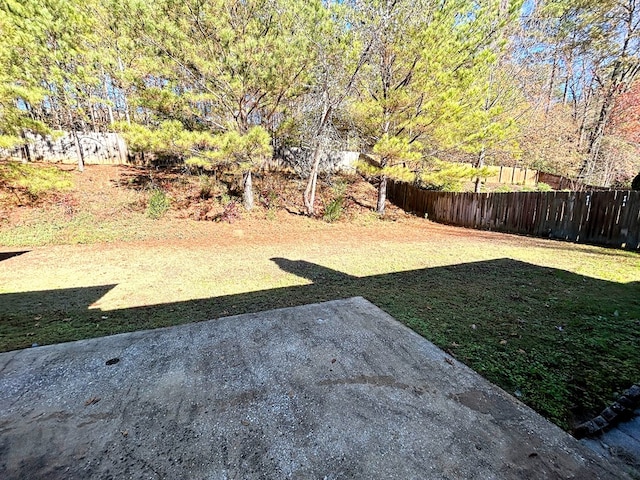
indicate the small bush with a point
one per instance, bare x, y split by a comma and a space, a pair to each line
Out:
35, 181
544, 187
225, 199
503, 189
206, 187
334, 209
158, 204
230, 214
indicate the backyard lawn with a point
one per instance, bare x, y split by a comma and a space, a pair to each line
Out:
555, 324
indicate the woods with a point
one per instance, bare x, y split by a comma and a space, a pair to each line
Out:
547, 84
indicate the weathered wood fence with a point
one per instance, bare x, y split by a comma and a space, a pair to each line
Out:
610, 218
512, 175
97, 148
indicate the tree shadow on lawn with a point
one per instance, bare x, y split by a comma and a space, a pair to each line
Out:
563, 343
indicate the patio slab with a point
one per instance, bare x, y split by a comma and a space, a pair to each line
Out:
327, 391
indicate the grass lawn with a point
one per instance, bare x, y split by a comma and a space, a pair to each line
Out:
555, 324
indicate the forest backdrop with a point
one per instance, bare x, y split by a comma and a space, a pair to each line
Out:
220, 84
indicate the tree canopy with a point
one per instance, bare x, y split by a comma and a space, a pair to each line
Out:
546, 84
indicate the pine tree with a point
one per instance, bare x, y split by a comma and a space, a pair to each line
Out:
52, 76
20, 87
426, 57
227, 68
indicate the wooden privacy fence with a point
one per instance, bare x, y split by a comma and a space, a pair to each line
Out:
96, 147
512, 175
610, 218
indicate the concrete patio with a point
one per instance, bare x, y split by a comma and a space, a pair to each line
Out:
327, 391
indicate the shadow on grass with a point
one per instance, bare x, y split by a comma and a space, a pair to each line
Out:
563, 343
7, 255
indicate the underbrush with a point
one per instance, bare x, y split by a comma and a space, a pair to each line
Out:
207, 196
24, 184
158, 204
105, 203
334, 209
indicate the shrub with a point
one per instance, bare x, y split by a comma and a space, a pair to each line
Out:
206, 187
334, 209
230, 214
544, 187
36, 181
504, 188
158, 204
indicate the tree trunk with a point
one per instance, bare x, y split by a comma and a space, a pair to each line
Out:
26, 154
248, 190
479, 164
582, 132
124, 96
79, 151
92, 115
382, 195
310, 191
107, 98
382, 188
595, 139
552, 81
121, 155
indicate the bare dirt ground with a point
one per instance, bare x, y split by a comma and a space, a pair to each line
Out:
112, 200
108, 203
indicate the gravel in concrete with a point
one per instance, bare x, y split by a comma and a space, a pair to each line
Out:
329, 391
